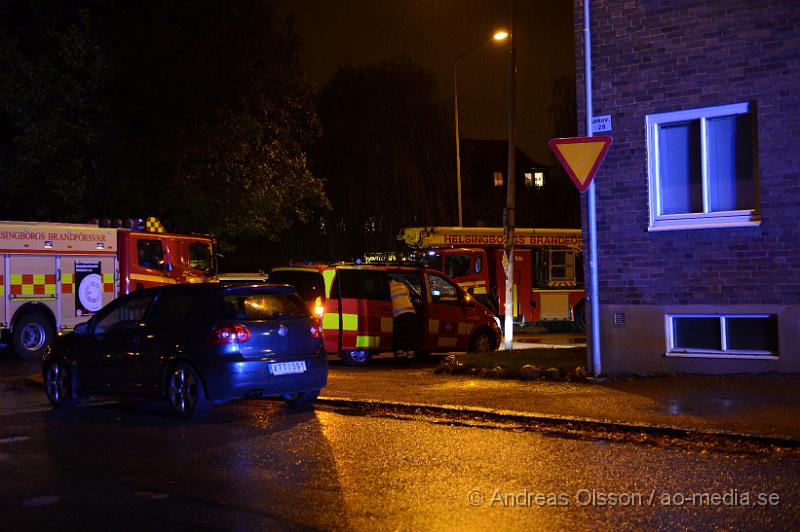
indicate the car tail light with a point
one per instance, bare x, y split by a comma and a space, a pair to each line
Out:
230, 334
316, 327
319, 309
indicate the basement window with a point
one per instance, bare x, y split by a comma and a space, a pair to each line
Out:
722, 335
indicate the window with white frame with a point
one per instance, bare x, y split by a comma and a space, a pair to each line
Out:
722, 335
701, 168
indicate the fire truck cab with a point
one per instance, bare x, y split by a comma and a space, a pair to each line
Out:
548, 272
55, 275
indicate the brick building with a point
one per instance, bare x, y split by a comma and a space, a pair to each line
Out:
698, 200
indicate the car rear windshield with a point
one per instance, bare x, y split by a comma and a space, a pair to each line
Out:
262, 306
308, 284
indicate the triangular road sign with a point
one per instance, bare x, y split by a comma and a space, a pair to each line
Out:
581, 157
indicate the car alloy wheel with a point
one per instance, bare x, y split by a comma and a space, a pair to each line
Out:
185, 392
57, 384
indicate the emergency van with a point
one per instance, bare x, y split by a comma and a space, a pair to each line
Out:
357, 317
56, 275
548, 269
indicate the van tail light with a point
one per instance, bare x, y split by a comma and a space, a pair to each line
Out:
319, 309
316, 327
229, 334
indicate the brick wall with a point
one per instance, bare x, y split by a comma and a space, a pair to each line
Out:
657, 56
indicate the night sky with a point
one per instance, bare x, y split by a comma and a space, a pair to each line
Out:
433, 33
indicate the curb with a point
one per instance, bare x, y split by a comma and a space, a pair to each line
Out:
566, 422
548, 420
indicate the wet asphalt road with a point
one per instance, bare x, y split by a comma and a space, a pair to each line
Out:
257, 465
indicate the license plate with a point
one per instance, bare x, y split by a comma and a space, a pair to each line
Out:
287, 368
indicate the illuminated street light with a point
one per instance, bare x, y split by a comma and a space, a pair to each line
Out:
498, 36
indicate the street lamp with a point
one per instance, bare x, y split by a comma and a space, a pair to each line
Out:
498, 36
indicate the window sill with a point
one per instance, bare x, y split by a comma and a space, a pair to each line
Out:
728, 356
705, 222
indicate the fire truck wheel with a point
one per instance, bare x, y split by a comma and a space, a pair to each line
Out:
358, 358
580, 318
58, 385
483, 342
31, 335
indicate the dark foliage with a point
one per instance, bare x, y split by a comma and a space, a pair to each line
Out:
386, 153
195, 111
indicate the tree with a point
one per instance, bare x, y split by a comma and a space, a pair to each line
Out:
196, 111
386, 154
52, 112
216, 116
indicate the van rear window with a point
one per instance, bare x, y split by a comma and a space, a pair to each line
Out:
262, 306
308, 284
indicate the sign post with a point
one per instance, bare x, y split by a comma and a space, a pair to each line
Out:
581, 157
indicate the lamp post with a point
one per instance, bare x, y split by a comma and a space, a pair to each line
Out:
498, 36
508, 217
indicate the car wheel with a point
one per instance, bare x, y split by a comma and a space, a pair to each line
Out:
186, 393
483, 342
358, 358
301, 398
31, 335
58, 384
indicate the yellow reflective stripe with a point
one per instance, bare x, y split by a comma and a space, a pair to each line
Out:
349, 322
463, 328
153, 278
479, 290
38, 278
387, 325
514, 301
108, 277
330, 321
433, 326
446, 342
66, 278
16, 278
327, 277
368, 341
27, 290
50, 289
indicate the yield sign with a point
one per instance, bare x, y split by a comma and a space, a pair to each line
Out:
581, 157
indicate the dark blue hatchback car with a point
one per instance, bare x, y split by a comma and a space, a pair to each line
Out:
193, 344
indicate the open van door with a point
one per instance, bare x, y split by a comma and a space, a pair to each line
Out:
358, 315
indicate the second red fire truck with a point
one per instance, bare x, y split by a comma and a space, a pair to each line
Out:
548, 269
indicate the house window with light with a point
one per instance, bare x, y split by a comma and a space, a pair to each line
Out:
702, 168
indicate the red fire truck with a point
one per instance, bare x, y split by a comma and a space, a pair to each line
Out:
54, 276
548, 272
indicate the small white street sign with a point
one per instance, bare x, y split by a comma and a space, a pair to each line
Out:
601, 123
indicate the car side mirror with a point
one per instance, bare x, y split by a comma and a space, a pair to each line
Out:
82, 329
